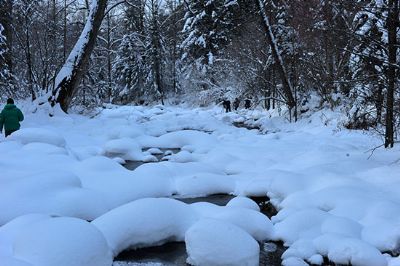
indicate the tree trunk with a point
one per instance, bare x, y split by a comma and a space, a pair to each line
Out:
6, 21
287, 87
392, 25
156, 46
71, 73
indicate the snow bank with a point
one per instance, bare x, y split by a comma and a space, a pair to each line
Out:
243, 202
127, 149
203, 184
41, 240
151, 221
317, 176
253, 222
49, 193
29, 135
212, 242
145, 222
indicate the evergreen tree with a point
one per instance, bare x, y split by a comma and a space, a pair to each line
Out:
207, 28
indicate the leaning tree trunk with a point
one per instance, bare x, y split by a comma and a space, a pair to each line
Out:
70, 75
392, 25
287, 87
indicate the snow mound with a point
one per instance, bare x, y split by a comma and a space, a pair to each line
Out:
125, 148
243, 202
29, 135
62, 241
10, 261
145, 222
254, 223
153, 221
349, 250
49, 193
212, 242
203, 184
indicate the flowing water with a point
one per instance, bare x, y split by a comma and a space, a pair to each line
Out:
174, 253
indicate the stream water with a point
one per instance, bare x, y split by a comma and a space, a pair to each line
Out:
174, 253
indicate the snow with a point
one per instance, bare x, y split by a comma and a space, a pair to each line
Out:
333, 200
145, 222
153, 221
55, 241
77, 51
211, 242
243, 202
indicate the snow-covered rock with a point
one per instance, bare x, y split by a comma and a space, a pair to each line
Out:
212, 242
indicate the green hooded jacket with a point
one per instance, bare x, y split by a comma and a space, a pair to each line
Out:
10, 118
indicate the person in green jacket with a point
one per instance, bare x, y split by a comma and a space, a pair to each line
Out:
10, 118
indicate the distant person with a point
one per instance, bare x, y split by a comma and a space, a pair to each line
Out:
10, 118
247, 103
227, 105
236, 104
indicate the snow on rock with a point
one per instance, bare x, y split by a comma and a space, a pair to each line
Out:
318, 176
29, 135
153, 221
182, 157
212, 242
45, 148
125, 131
11, 230
125, 148
349, 250
119, 185
145, 222
243, 202
178, 139
10, 261
62, 241
253, 222
203, 184
49, 193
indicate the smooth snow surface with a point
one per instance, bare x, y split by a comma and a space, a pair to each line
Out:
211, 242
57, 172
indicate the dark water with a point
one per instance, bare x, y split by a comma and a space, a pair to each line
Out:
174, 253
132, 165
246, 125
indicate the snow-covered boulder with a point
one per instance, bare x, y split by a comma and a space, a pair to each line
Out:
243, 202
62, 241
253, 222
125, 148
29, 135
49, 193
212, 242
145, 222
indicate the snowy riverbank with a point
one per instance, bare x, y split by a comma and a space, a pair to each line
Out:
333, 200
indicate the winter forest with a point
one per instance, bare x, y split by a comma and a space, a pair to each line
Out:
200, 132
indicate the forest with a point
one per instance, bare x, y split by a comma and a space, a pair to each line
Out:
199, 132
343, 52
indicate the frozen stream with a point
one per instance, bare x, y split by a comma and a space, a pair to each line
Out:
174, 253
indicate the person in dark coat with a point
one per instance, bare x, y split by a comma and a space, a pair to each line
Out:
227, 105
10, 118
247, 103
236, 103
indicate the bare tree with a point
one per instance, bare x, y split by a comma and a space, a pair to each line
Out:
287, 87
71, 73
392, 26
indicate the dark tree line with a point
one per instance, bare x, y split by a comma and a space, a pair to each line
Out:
293, 55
